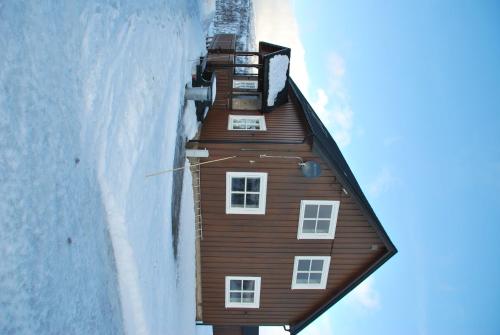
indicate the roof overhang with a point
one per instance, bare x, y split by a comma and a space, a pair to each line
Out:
325, 146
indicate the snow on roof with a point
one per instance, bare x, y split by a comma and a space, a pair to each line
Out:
278, 67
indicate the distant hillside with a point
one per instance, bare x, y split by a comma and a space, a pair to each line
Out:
236, 17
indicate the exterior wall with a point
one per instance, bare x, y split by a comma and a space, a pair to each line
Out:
265, 245
283, 124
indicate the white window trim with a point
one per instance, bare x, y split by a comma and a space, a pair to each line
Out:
256, 301
324, 273
262, 193
333, 220
261, 118
251, 84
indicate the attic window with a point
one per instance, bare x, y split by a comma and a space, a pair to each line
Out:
246, 192
318, 219
310, 272
247, 122
242, 292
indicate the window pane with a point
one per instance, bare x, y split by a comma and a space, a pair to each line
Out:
309, 226
315, 278
304, 265
302, 278
253, 184
252, 127
238, 184
311, 211
243, 101
325, 211
323, 226
248, 285
239, 126
248, 297
235, 285
253, 124
245, 84
235, 297
237, 200
252, 201
317, 265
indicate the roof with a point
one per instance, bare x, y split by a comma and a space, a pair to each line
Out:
324, 144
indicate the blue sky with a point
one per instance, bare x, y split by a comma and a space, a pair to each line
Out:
411, 92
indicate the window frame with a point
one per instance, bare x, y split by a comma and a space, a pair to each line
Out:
333, 220
256, 292
261, 118
324, 273
253, 93
262, 193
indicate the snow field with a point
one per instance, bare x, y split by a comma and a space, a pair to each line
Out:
90, 98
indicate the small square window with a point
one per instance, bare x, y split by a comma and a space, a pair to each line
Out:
246, 192
318, 219
242, 292
310, 272
247, 122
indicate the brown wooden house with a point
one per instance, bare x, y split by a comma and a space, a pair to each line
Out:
286, 229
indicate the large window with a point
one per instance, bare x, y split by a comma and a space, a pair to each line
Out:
310, 272
242, 292
246, 192
246, 101
247, 122
318, 219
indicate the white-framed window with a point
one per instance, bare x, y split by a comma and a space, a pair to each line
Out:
310, 272
246, 192
242, 292
246, 84
247, 122
318, 219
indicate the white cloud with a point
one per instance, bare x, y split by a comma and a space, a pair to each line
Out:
272, 330
365, 295
338, 118
332, 104
381, 183
275, 23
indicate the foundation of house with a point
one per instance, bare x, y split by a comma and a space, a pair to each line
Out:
195, 175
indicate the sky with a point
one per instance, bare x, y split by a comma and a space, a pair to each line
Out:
411, 93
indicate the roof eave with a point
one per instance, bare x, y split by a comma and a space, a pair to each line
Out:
294, 329
324, 144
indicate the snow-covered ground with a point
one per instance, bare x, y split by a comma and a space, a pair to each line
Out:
91, 93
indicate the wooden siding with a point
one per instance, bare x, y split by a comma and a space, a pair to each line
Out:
265, 245
284, 124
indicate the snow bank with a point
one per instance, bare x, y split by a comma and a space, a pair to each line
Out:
138, 65
278, 67
90, 97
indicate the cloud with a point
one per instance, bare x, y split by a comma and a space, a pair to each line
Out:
381, 183
332, 103
275, 22
272, 330
365, 295
337, 118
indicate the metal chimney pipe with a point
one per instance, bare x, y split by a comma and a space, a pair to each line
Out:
198, 93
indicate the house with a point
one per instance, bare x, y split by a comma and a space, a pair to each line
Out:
285, 229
